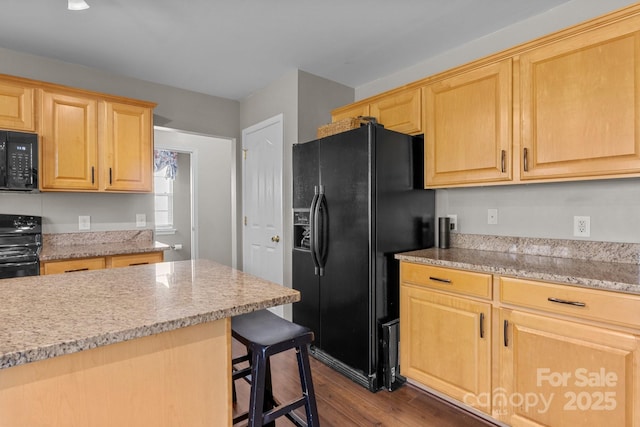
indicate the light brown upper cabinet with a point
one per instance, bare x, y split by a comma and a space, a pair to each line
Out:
94, 144
580, 105
351, 110
128, 148
562, 107
468, 135
399, 110
16, 106
69, 141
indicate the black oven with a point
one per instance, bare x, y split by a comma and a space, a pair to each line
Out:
20, 244
18, 161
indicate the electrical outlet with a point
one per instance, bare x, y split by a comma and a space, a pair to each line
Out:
84, 222
492, 216
453, 222
141, 220
582, 226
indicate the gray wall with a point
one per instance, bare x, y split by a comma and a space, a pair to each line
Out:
316, 98
60, 211
547, 210
176, 108
305, 101
534, 210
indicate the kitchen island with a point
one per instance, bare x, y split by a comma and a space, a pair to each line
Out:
142, 346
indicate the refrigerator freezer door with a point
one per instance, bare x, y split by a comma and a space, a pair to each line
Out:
306, 173
306, 312
345, 286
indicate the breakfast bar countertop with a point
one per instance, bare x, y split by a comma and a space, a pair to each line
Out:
47, 316
611, 276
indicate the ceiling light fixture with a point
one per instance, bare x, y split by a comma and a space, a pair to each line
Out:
77, 5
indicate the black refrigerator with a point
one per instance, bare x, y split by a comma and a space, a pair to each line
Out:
358, 198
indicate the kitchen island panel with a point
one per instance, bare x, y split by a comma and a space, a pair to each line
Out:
175, 378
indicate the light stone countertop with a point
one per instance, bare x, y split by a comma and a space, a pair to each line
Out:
48, 316
96, 244
612, 276
59, 252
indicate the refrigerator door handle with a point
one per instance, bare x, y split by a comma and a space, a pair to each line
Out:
321, 217
313, 238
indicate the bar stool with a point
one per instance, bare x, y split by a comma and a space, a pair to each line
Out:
265, 334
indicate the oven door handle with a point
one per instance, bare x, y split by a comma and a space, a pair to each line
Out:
17, 264
20, 245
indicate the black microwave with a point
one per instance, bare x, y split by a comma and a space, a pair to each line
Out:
18, 161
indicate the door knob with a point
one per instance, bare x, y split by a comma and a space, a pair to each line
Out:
275, 239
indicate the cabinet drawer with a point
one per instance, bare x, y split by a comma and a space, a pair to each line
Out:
592, 304
70, 266
134, 259
447, 279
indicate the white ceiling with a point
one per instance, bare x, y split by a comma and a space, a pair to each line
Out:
230, 48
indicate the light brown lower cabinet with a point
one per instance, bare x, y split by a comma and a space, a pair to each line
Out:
445, 339
449, 344
568, 356
134, 259
72, 265
538, 354
560, 373
97, 263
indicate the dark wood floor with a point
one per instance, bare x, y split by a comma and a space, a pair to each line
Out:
343, 403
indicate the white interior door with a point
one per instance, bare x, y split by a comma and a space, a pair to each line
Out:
262, 201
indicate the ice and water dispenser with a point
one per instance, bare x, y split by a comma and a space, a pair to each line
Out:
301, 230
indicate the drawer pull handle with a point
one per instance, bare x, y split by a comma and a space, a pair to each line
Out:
77, 269
481, 325
138, 263
506, 333
564, 301
437, 279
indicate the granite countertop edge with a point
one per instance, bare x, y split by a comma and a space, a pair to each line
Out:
609, 276
53, 315
11, 359
97, 250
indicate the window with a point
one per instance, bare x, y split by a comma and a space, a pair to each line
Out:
163, 200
